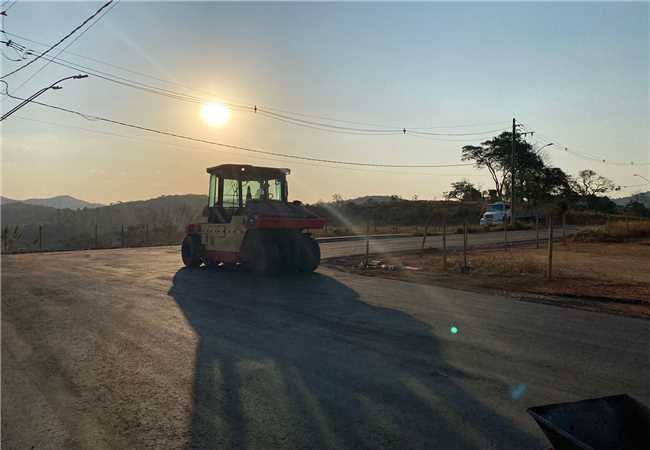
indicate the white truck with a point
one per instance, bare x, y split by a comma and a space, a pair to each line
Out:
496, 214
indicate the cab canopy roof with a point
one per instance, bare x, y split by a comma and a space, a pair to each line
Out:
247, 172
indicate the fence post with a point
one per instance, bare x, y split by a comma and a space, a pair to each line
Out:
607, 222
40, 237
444, 242
505, 234
96, 237
123, 237
564, 226
146, 233
426, 229
549, 266
367, 242
627, 223
465, 266
536, 230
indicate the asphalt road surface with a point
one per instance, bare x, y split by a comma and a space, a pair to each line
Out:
125, 349
454, 241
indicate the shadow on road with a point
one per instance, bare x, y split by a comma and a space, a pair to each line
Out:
303, 362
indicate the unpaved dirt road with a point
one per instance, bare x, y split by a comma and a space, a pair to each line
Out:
124, 349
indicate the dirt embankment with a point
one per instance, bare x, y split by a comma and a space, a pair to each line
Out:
609, 277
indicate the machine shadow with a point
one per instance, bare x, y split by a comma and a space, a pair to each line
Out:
303, 362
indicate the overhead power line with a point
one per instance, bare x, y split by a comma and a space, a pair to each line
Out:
37, 93
59, 42
257, 157
289, 117
6, 8
97, 19
238, 147
591, 157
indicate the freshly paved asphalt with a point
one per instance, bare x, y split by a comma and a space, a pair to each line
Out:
124, 349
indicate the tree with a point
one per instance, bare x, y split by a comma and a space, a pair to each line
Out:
495, 155
589, 184
637, 208
545, 185
464, 191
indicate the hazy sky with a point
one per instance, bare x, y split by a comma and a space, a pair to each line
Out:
576, 73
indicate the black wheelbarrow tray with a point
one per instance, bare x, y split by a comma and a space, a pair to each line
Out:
618, 422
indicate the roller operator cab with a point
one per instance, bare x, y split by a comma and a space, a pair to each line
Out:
251, 223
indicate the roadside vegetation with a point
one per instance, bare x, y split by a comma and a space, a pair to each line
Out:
629, 230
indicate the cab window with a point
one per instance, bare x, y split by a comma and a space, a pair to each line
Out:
214, 183
252, 190
231, 194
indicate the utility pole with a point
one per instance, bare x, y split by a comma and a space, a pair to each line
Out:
512, 175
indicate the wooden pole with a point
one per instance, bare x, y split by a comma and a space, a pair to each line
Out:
96, 237
40, 237
536, 230
426, 229
465, 266
444, 242
627, 223
123, 237
367, 242
146, 234
505, 234
549, 266
564, 226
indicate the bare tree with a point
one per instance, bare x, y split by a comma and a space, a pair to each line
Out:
589, 183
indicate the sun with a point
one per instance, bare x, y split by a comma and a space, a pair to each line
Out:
215, 114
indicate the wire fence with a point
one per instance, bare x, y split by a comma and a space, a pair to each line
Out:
52, 237
61, 237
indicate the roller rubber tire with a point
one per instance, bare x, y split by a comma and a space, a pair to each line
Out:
310, 253
191, 251
261, 254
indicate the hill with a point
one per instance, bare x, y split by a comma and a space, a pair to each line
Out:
642, 197
62, 202
58, 202
6, 200
157, 220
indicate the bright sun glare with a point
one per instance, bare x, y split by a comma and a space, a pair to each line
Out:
215, 114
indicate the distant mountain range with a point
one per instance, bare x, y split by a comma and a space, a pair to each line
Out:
58, 202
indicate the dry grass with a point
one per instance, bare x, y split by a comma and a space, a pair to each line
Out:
615, 232
600, 276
